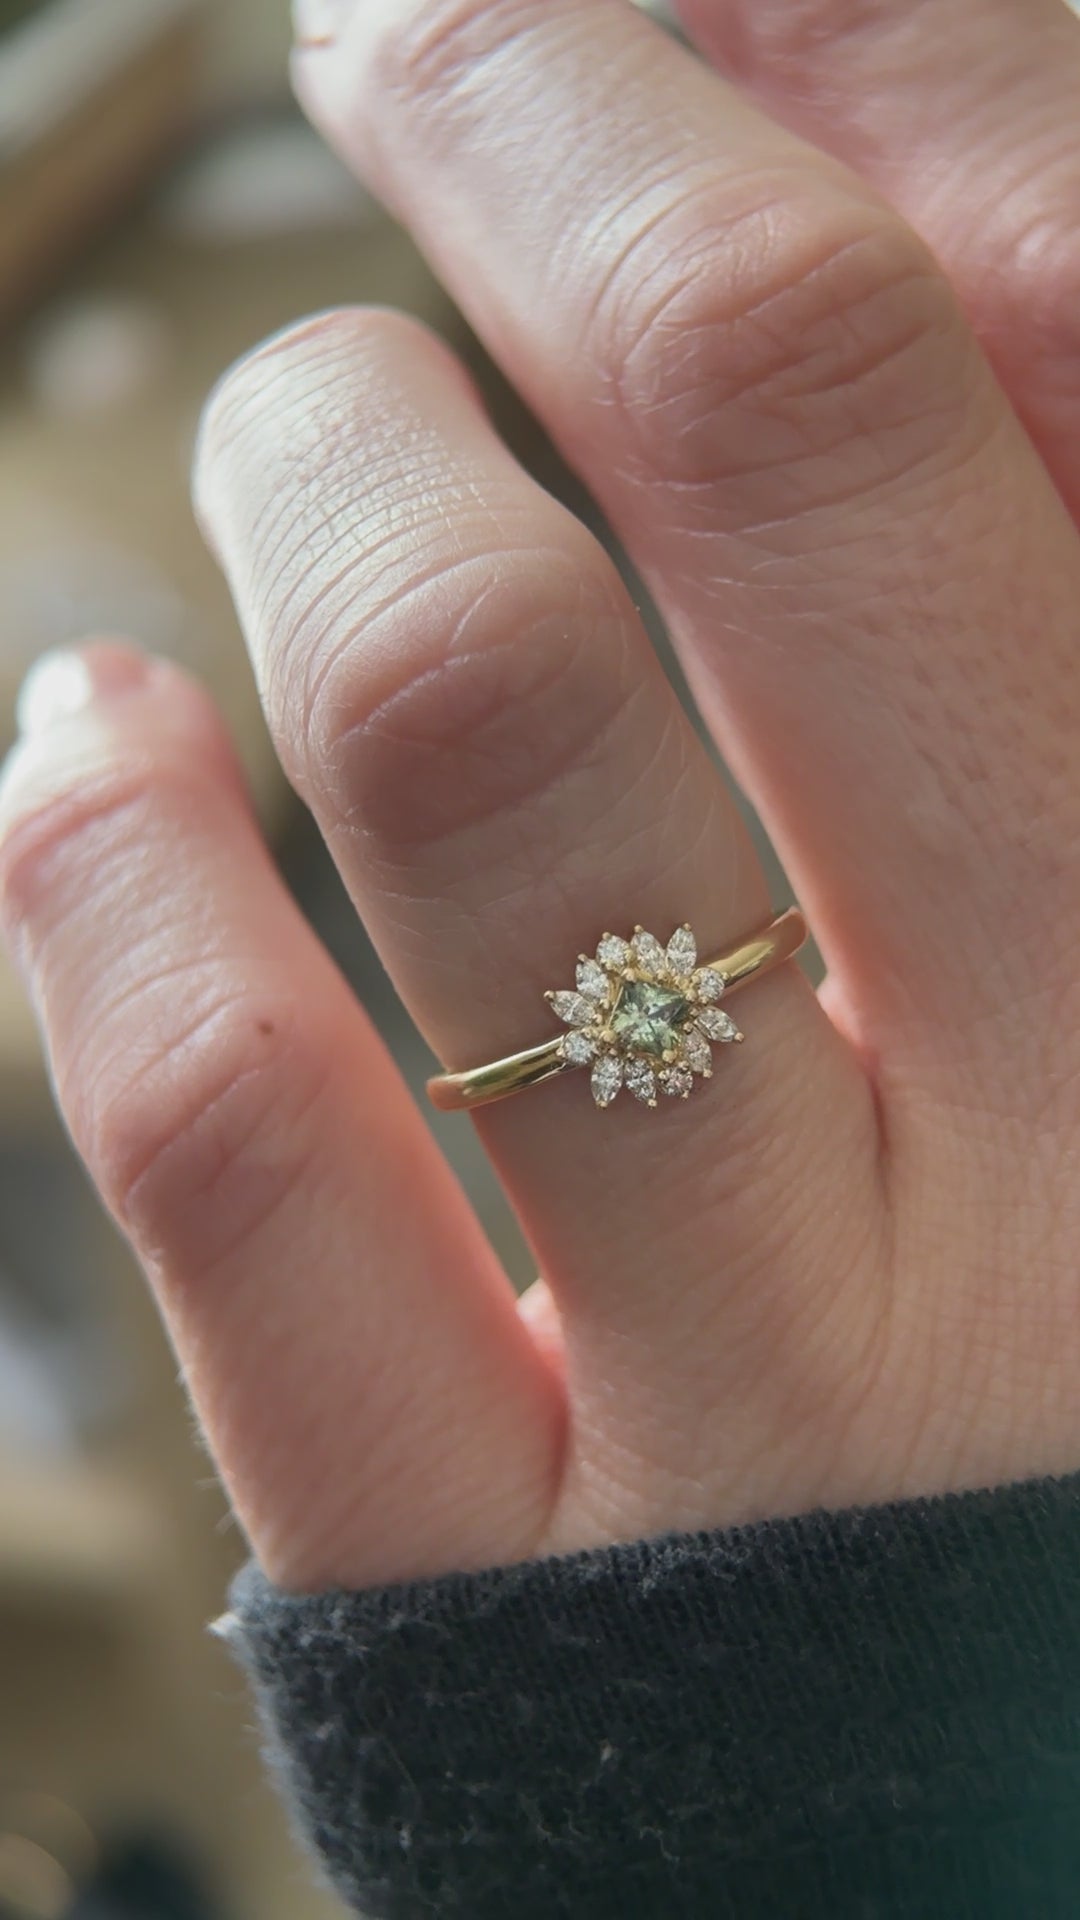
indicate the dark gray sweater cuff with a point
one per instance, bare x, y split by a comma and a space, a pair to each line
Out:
871, 1714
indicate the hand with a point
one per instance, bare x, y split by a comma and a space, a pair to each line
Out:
847, 1268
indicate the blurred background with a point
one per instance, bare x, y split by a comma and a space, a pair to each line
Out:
162, 208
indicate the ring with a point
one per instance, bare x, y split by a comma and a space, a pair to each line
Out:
642, 1016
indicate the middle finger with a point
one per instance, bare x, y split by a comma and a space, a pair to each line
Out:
461, 690
769, 385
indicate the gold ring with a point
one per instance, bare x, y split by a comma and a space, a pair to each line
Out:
642, 1016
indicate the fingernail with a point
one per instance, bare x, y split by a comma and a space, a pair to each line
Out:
64, 683
316, 22
57, 686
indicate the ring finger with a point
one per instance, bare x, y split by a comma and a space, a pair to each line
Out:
460, 689
345, 1334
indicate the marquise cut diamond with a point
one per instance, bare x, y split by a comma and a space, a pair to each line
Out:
607, 1078
718, 1025
592, 981
573, 1008
696, 1052
682, 953
648, 953
641, 1081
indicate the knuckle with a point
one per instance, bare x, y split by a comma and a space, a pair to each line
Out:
802, 39
474, 692
199, 1139
70, 831
812, 316
72, 823
290, 420
236, 407
184, 1089
432, 48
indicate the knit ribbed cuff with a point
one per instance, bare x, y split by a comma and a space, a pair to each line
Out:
872, 1713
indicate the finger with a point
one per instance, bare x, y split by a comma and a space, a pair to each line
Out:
964, 113
370, 1393
767, 383
463, 694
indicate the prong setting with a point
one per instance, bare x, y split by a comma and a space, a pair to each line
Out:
643, 1016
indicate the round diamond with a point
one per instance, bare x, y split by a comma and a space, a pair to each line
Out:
709, 986
613, 952
578, 1049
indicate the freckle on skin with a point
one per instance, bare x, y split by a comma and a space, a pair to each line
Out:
266, 1026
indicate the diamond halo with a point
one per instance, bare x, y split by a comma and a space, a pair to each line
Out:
644, 1016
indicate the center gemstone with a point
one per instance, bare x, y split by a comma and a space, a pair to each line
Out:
648, 1019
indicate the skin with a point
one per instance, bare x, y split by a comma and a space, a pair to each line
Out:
829, 396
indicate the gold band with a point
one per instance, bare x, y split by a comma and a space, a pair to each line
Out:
479, 1086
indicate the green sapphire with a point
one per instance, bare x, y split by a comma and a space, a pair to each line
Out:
648, 1018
